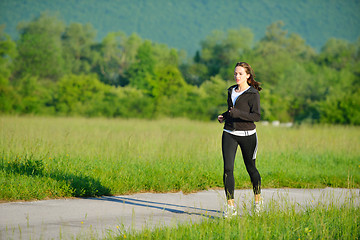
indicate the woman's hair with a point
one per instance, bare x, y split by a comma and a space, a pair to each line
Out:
251, 80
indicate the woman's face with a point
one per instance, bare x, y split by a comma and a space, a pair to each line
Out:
240, 75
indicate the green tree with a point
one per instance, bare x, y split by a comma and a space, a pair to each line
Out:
77, 42
165, 56
117, 53
86, 95
7, 55
142, 72
35, 96
168, 88
337, 53
40, 48
341, 104
80, 95
132, 103
280, 62
195, 73
168, 81
214, 97
276, 50
220, 51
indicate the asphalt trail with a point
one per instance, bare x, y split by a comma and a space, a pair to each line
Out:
110, 215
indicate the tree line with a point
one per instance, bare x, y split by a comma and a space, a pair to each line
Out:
54, 69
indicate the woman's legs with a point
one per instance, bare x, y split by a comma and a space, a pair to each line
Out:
248, 145
229, 147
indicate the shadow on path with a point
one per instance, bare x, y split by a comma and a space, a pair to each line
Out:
173, 208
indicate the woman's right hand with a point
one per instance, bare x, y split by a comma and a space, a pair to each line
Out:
221, 118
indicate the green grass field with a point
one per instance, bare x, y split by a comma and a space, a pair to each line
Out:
46, 157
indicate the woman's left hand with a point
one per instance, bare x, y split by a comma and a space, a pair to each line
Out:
221, 118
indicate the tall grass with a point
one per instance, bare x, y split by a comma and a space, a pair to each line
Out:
314, 222
45, 157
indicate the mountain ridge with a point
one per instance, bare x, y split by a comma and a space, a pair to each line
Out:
184, 24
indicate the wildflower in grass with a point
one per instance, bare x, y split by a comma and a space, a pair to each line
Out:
117, 227
124, 236
82, 222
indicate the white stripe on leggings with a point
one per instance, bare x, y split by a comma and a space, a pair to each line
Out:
256, 147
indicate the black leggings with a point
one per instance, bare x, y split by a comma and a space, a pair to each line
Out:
248, 145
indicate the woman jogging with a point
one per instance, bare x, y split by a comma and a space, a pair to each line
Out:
239, 129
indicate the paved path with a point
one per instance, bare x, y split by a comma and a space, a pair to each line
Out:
100, 217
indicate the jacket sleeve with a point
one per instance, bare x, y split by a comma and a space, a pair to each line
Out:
254, 113
225, 114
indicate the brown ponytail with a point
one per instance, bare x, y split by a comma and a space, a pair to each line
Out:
251, 80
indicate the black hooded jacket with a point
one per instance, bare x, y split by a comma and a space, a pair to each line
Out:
246, 111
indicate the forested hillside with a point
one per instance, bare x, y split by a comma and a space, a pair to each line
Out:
61, 69
183, 24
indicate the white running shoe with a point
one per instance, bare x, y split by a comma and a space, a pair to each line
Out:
230, 211
258, 207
